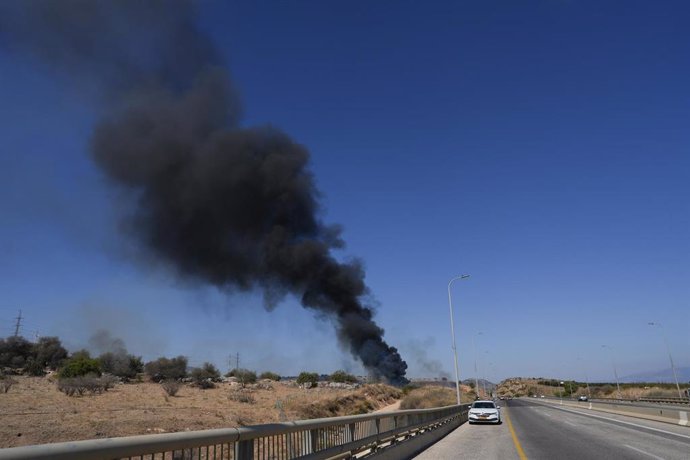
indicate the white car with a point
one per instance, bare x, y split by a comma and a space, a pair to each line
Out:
485, 412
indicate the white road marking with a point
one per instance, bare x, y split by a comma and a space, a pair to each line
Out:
643, 452
626, 423
569, 423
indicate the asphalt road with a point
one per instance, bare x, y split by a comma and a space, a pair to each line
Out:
546, 431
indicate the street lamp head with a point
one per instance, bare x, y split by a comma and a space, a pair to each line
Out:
462, 277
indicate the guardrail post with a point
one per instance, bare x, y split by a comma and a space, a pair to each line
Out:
351, 431
244, 450
314, 440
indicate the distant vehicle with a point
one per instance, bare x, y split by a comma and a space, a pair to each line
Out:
582, 398
484, 412
541, 396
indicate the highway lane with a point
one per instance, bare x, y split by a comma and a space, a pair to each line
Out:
474, 441
545, 431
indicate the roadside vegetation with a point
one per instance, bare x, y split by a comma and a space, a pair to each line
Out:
516, 387
362, 401
429, 396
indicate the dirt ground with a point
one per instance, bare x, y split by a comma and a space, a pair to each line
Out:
35, 412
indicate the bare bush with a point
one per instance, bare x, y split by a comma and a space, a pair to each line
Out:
70, 387
242, 396
109, 381
263, 386
6, 383
79, 386
171, 387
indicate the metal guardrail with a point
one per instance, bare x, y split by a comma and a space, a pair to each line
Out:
340, 437
679, 401
676, 414
666, 400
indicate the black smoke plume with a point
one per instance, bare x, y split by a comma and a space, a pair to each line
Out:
227, 205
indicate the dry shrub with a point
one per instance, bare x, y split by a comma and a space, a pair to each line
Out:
6, 383
171, 387
265, 385
87, 384
660, 393
242, 396
429, 397
362, 401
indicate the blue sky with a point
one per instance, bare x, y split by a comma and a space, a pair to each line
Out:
542, 147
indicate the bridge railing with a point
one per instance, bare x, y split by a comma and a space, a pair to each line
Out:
340, 437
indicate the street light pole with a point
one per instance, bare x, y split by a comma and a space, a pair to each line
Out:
589, 394
673, 368
476, 378
615, 371
484, 377
452, 333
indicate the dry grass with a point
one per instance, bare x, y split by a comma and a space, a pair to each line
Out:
430, 396
35, 412
361, 401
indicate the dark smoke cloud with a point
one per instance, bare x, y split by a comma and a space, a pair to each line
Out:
231, 206
420, 357
102, 341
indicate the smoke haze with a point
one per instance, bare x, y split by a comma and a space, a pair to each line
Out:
224, 205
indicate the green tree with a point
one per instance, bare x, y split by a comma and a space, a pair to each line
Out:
167, 369
121, 365
270, 376
342, 377
205, 375
49, 352
308, 377
15, 351
244, 376
80, 364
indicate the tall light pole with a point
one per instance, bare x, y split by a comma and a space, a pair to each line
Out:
615, 371
589, 394
452, 333
484, 377
476, 378
673, 368
491, 371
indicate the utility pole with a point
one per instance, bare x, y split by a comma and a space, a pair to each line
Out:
235, 358
18, 325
